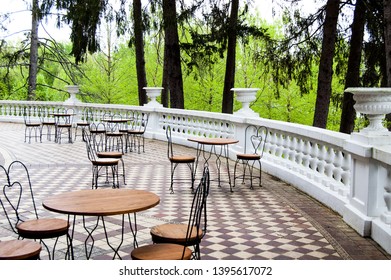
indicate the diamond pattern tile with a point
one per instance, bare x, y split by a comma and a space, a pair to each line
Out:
263, 223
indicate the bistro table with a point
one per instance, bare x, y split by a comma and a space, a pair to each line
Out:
102, 203
62, 120
218, 147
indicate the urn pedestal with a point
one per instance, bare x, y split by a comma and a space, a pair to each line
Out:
246, 96
153, 93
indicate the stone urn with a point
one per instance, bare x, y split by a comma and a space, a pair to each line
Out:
153, 93
375, 103
246, 96
73, 90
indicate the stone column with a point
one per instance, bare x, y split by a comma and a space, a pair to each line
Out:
368, 178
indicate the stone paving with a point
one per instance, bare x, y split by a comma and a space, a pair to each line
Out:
274, 222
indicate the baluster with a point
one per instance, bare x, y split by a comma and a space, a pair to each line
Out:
386, 216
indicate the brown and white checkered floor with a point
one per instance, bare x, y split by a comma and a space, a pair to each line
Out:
276, 221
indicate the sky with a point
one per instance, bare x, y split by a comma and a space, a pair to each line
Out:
22, 20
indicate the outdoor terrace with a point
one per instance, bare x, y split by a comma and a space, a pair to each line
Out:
307, 208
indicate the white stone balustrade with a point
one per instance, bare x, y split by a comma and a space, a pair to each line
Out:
348, 173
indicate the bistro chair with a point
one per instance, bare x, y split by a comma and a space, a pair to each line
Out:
172, 241
19, 249
255, 140
135, 135
116, 130
100, 164
99, 141
32, 124
175, 160
48, 122
84, 122
18, 203
64, 124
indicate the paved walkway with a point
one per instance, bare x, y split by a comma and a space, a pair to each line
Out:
276, 221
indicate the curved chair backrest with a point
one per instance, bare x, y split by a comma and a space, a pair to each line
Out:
17, 198
255, 139
97, 133
170, 152
140, 121
90, 146
198, 213
31, 114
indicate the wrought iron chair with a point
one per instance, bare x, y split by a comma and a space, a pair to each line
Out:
19, 249
175, 160
135, 135
84, 122
32, 124
47, 121
116, 130
172, 241
255, 140
99, 142
17, 201
64, 122
100, 163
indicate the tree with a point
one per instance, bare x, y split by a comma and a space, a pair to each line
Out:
387, 36
33, 65
353, 72
139, 47
172, 58
326, 64
229, 81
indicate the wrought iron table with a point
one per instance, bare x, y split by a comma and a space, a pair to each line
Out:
102, 203
214, 144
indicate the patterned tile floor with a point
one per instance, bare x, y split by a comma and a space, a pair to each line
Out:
276, 221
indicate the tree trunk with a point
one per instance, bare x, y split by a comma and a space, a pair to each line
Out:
139, 46
33, 66
172, 56
353, 72
387, 38
325, 74
229, 80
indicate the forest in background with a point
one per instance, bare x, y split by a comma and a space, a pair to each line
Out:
287, 92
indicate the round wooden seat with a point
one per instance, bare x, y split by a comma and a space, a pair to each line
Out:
182, 159
105, 161
112, 154
175, 233
163, 251
248, 156
43, 228
19, 250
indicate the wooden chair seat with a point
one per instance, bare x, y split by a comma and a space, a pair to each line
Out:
162, 251
112, 154
174, 233
82, 124
105, 161
137, 132
19, 250
43, 228
182, 159
248, 156
33, 124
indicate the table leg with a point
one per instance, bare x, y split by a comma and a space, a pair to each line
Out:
133, 229
121, 240
89, 236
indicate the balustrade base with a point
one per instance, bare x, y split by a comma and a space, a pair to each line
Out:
380, 139
357, 220
381, 233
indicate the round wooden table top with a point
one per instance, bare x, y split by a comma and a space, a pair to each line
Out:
214, 141
101, 202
